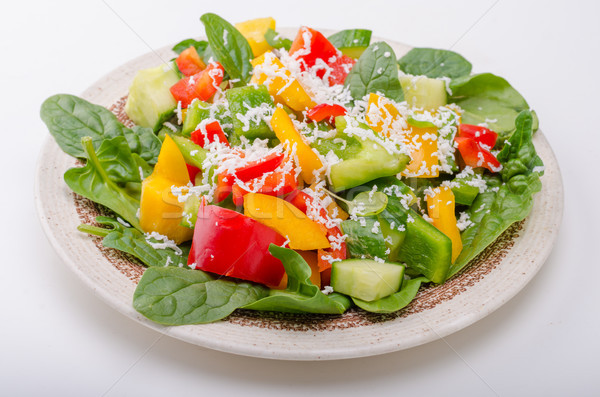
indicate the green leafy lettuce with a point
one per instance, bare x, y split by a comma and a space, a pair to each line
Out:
508, 198
489, 98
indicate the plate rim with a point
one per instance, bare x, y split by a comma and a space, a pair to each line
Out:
256, 350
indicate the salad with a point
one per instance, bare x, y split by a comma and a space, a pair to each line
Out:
305, 176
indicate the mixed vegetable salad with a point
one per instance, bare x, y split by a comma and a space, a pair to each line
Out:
302, 176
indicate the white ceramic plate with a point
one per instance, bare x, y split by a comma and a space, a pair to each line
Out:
494, 277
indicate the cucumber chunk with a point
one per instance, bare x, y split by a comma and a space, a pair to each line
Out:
150, 102
366, 279
425, 248
423, 93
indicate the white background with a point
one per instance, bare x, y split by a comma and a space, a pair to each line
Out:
57, 338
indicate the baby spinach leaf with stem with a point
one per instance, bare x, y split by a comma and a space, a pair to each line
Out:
179, 296
301, 295
132, 241
230, 48
93, 182
70, 118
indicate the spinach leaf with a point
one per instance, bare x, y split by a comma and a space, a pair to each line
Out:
116, 159
509, 197
489, 97
150, 144
434, 63
276, 41
396, 301
200, 46
178, 296
70, 118
134, 242
375, 71
93, 182
230, 48
361, 241
301, 295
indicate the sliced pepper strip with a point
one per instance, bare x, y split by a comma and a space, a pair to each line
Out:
189, 62
202, 85
474, 155
481, 135
212, 133
257, 168
326, 111
440, 208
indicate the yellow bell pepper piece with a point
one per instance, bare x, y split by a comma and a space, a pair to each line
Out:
254, 31
382, 116
440, 208
269, 71
285, 219
425, 162
160, 211
286, 132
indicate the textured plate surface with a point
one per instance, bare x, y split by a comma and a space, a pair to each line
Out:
491, 280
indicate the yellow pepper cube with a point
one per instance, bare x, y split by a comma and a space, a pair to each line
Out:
424, 153
440, 208
285, 219
254, 31
160, 210
383, 117
270, 72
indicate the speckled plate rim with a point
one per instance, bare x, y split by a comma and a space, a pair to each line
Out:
59, 220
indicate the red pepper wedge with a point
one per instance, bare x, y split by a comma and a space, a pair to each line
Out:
476, 156
310, 45
340, 69
257, 168
189, 62
276, 184
224, 187
481, 135
230, 244
326, 111
202, 85
328, 255
192, 171
213, 132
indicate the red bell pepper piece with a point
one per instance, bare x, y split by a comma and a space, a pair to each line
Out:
476, 156
202, 85
257, 168
325, 111
340, 69
189, 62
213, 132
481, 135
327, 256
192, 171
276, 184
310, 45
224, 187
228, 243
